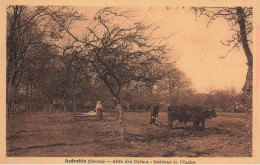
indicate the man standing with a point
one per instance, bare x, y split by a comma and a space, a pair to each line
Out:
154, 114
99, 109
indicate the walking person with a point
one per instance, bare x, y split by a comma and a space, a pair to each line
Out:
154, 114
99, 109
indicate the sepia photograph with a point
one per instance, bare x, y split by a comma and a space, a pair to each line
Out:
125, 84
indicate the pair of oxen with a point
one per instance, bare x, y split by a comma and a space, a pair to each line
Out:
195, 114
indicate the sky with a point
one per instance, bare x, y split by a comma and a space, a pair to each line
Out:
196, 47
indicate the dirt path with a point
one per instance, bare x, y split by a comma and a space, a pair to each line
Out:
40, 134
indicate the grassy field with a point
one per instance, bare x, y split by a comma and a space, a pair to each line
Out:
43, 134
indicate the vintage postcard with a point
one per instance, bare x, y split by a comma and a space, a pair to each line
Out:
130, 82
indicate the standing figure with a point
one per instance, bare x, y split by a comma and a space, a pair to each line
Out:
154, 114
99, 109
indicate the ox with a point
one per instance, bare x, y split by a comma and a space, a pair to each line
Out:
195, 114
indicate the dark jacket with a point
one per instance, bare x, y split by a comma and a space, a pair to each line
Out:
155, 111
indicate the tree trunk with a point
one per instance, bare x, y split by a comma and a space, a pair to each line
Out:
11, 92
115, 93
248, 86
61, 104
8, 110
247, 89
27, 97
122, 122
65, 109
127, 105
74, 106
51, 107
31, 97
